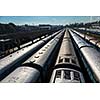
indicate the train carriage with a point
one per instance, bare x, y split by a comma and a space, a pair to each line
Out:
67, 68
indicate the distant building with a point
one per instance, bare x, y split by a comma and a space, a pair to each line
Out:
43, 26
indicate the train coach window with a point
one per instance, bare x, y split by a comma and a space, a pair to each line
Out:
76, 76
67, 60
68, 54
58, 74
67, 74
60, 60
73, 61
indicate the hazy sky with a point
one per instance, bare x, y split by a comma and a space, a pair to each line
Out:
46, 19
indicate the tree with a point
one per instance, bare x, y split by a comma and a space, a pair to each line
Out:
12, 24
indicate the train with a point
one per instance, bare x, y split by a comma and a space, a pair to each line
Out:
14, 49
90, 39
89, 55
10, 62
35, 68
67, 68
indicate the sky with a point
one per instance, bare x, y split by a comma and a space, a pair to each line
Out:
54, 20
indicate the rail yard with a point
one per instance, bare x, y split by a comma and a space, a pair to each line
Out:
65, 56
